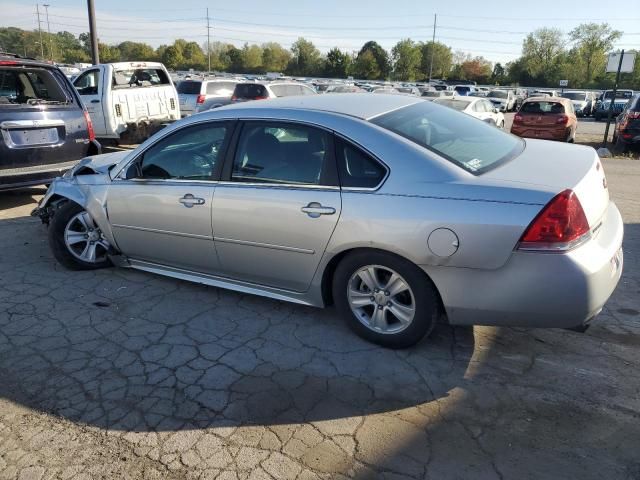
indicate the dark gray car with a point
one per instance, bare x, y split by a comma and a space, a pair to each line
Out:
44, 127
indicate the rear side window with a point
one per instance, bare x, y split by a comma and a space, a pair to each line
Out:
472, 145
357, 169
140, 77
541, 108
31, 86
220, 88
249, 91
189, 87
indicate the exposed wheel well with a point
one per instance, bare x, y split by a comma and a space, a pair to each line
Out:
327, 276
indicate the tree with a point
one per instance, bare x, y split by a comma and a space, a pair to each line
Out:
543, 50
136, 51
366, 66
442, 59
498, 76
252, 58
193, 56
275, 58
406, 60
172, 57
478, 69
592, 42
381, 58
306, 58
337, 63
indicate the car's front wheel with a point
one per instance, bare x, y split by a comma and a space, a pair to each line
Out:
385, 298
75, 239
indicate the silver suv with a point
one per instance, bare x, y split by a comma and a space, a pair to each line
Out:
263, 91
200, 95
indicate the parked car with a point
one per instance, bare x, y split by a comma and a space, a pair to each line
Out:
409, 90
128, 101
200, 95
548, 118
392, 208
543, 93
480, 108
431, 95
604, 103
44, 127
583, 102
263, 91
344, 89
464, 90
503, 100
384, 89
627, 130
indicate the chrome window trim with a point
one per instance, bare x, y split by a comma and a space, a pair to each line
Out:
282, 186
165, 232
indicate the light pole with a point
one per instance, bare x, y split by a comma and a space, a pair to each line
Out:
46, 8
95, 55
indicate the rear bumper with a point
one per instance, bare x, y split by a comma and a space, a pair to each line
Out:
538, 289
560, 134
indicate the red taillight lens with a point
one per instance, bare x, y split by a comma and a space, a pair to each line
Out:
92, 133
558, 226
200, 99
518, 118
562, 120
8, 62
260, 98
633, 115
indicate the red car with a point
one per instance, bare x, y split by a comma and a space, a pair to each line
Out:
547, 118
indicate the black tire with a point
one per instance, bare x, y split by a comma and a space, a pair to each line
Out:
57, 225
427, 305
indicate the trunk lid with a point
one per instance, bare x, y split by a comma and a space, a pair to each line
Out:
555, 167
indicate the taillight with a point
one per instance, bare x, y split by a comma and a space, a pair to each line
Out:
560, 226
562, 120
200, 99
633, 115
8, 62
260, 98
518, 118
92, 133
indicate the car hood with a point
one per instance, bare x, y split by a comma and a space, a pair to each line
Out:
100, 164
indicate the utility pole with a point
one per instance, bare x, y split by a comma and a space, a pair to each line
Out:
40, 30
46, 8
613, 100
95, 55
208, 43
433, 45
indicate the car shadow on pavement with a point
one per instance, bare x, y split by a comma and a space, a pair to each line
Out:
130, 351
18, 198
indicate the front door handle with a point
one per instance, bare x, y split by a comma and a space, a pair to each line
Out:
189, 200
95, 100
315, 209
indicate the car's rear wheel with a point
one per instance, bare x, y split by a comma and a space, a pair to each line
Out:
385, 298
75, 239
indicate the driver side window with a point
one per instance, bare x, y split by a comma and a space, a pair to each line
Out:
87, 83
188, 154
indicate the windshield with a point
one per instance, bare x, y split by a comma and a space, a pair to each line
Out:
619, 94
462, 89
189, 87
463, 140
431, 94
574, 95
498, 94
30, 86
452, 103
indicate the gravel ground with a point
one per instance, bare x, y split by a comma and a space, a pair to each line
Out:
122, 374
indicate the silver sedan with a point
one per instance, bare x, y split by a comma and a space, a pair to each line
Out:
398, 211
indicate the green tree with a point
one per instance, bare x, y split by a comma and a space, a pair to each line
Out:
130, 51
172, 57
366, 66
498, 76
543, 52
305, 59
442, 59
478, 69
193, 56
381, 58
275, 58
252, 58
592, 42
337, 63
406, 56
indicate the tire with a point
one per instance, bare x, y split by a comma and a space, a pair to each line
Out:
61, 225
420, 297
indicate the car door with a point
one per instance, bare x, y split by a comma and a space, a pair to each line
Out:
89, 85
277, 204
160, 205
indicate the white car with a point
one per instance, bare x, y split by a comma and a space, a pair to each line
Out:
478, 107
503, 100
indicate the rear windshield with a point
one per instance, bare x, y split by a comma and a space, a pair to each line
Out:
542, 107
462, 89
221, 88
432, 94
574, 95
463, 140
452, 103
140, 77
498, 94
189, 87
249, 90
32, 86
619, 94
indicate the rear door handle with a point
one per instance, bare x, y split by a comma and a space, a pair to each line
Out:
315, 209
95, 100
189, 200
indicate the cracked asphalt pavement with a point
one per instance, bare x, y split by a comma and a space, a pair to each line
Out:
122, 374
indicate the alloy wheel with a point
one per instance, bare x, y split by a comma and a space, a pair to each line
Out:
84, 239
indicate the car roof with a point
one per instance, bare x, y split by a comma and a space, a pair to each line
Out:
352, 104
19, 60
547, 99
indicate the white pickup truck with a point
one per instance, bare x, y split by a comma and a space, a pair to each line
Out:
128, 101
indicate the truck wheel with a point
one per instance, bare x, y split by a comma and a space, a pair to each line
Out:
385, 298
75, 240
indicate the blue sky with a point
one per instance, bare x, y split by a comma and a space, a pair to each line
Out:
493, 29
